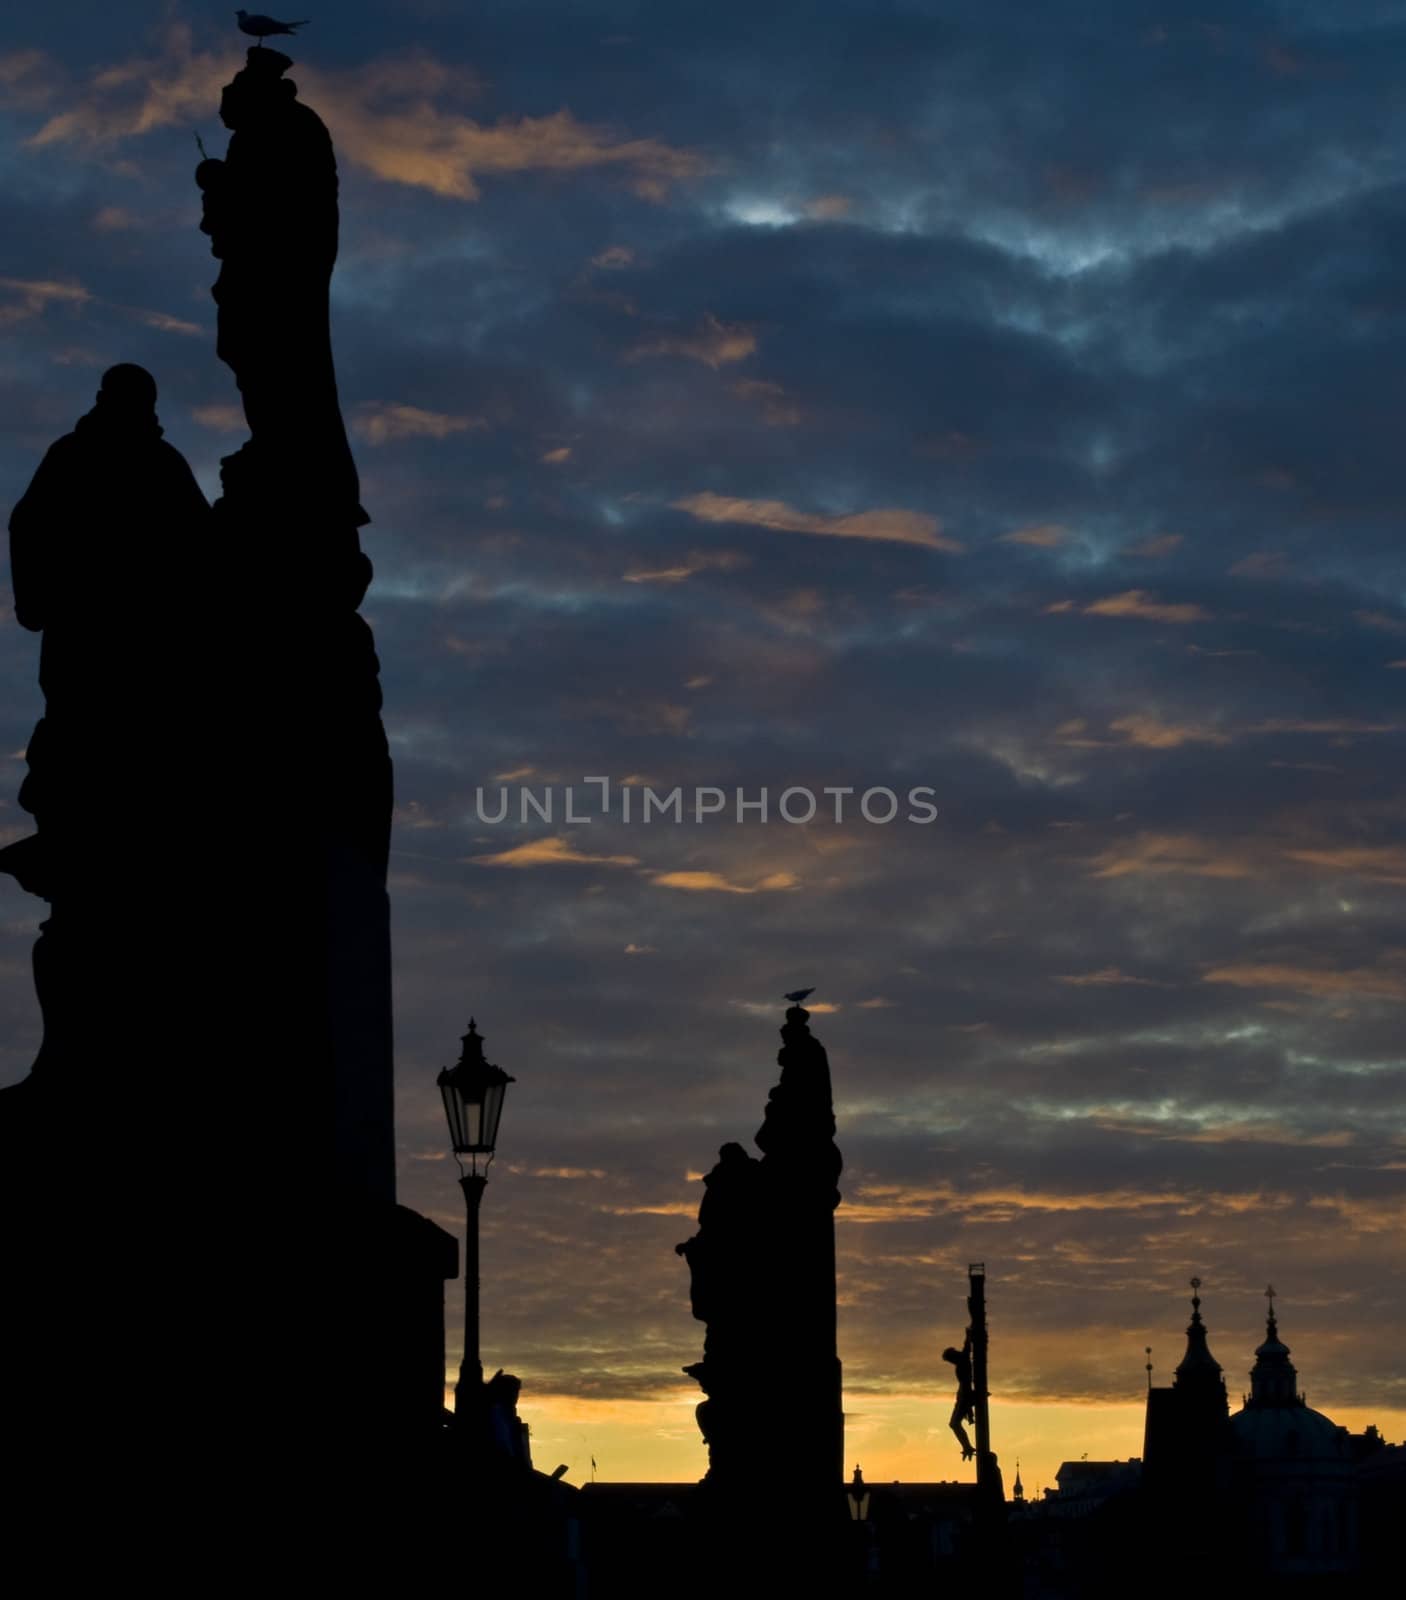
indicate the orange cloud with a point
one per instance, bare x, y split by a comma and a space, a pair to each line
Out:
380, 423
1144, 731
36, 295
1160, 854
887, 526
553, 851
873, 1203
829, 207
716, 344
220, 418
166, 323
1385, 863
716, 883
1370, 983
1151, 734
693, 563
397, 118
1138, 603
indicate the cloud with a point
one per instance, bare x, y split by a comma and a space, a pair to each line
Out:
694, 562
887, 526
1039, 535
1259, 564
829, 207
1334, 727
716, 883
136, 97
716, 344
1138, 603
36, 295
614, 258
220, 418
555, 850
1106, 976
1385, 863
26, 80
1145, 732
1381, 621
1150, 734
380, 423
168, 324
1153, 549
396, 118
1368, 983
1171, 854
778, 411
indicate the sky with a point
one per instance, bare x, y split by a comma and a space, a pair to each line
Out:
997, 400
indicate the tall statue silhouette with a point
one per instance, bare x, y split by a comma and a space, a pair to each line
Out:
270, 209
197, 1179
762, 1269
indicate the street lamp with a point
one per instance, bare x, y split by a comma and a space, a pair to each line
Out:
473, 1091
858, 1497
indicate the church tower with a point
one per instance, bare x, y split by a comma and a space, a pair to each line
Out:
1185, 1432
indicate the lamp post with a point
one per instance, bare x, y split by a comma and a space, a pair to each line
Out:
858, 1496
473, 1090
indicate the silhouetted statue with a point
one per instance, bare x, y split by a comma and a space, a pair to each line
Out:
763, 1280
103, 547
270, 208
964, 1407
212, 788
507, 1433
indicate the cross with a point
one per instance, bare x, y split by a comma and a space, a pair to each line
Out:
1270, 1296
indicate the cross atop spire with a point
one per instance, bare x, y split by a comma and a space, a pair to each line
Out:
1273, 1380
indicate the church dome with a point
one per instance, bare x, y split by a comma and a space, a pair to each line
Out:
1275, 1424
1288, 1433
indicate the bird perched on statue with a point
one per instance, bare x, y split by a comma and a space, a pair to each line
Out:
797, 995
261, 27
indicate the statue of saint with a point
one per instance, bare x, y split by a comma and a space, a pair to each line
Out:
102, 543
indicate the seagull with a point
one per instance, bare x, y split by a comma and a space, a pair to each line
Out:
260, 27
797, 995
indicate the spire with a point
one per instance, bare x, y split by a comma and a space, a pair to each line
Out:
1198, 1364
1198, 1381
1273, 1378
1018, 1488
